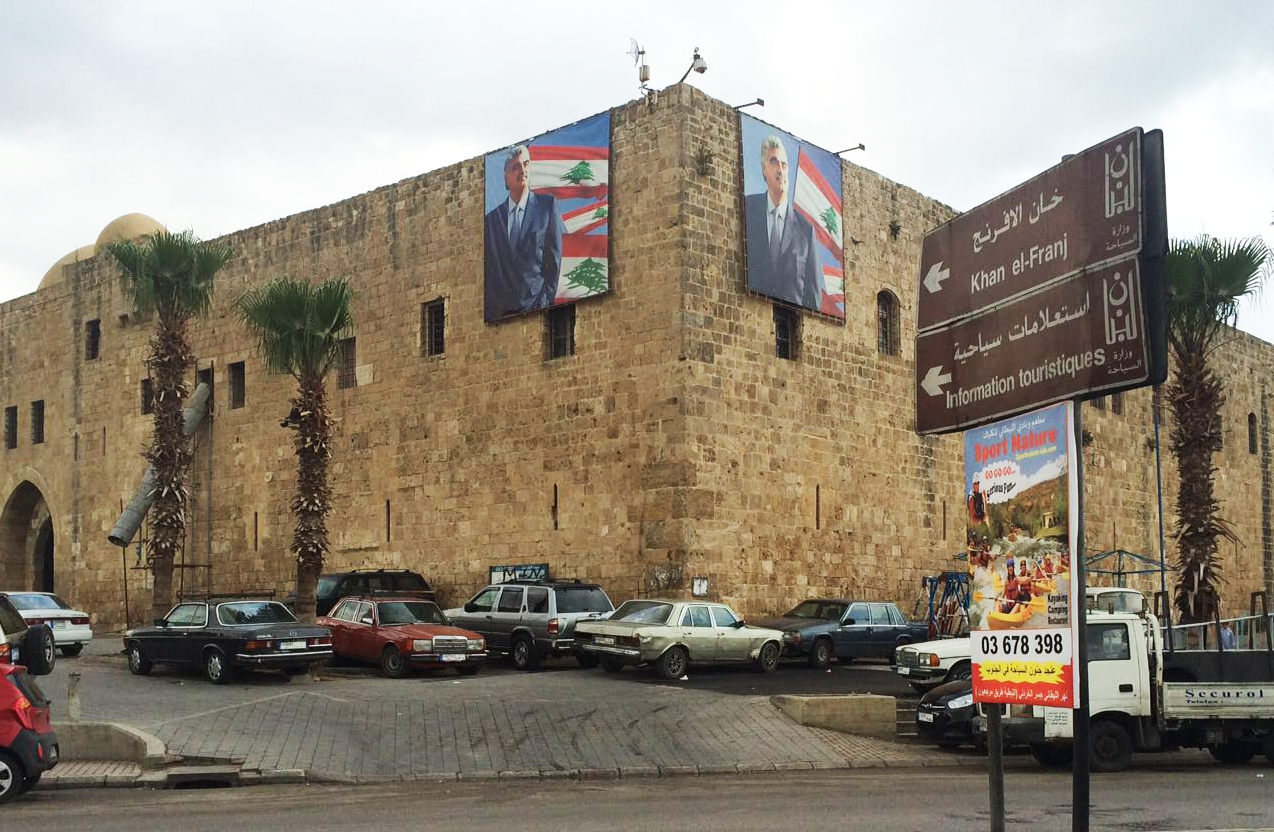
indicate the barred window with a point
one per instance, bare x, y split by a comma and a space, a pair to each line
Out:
1117, 404
148, 396
37, 422
11, 427
560, 332
887, 338
787, 332
1100, 403
92, 340
238, 390
347, 375
433, 326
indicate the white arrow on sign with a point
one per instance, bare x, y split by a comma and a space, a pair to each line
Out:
933, 381
937, 274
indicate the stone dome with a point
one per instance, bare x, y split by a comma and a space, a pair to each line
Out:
127, 227
54, 274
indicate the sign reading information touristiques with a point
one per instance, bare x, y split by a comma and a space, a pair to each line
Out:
1020, 532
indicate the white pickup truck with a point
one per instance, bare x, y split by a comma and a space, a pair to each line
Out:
1147, 696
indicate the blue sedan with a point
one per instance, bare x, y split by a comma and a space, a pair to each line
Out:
821, 629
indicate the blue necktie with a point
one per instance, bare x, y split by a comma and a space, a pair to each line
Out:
517, 224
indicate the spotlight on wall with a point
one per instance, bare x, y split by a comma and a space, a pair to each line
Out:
760, 102
860, 146
698, 65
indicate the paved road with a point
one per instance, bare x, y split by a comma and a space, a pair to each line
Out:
881, 801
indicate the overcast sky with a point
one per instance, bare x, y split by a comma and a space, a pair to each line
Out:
217, 116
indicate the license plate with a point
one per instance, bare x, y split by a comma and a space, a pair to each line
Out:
58, 625
924, 717
904, 671
291, 645
604, 640
452, 657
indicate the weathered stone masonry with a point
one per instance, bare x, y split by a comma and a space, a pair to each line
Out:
673, 444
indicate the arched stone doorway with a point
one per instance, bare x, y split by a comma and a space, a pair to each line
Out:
27, 552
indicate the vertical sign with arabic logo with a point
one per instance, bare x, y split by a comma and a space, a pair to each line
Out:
1020, 532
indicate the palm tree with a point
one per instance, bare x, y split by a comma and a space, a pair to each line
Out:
1206, 279
172, 276
299, 330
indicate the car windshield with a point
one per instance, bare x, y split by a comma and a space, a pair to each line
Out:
642, 612
393, 613
254, 612
582, 599
818, 610
34, 601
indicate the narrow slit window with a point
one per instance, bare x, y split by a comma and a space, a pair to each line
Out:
887, 324
1117, 404
92, 340
433, 326
347, 374
237, 389
1251, 433
148, 396
10, 427
787, 333
37, 422
560, 331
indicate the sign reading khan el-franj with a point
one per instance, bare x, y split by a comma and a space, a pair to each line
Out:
1082, 213
546, 237
793, 222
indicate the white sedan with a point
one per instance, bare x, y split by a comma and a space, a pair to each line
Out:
71, 630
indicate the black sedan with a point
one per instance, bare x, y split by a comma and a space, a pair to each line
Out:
222, 636
945, 714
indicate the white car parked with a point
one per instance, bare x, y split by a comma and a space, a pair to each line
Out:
71, 630
932, 663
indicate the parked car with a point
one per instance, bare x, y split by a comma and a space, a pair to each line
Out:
822, 628
70, 627
531, 620
673, 635
223, 636
333, 586
932, 663
20, 643
401, 634
28, 744
945, 714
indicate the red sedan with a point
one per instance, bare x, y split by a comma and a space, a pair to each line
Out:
401, 634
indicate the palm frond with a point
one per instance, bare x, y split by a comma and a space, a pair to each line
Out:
171, 273
1207, 278
299, 328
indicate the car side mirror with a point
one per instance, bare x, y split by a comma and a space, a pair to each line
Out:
740, 624
161, 622
849, 621
366, 619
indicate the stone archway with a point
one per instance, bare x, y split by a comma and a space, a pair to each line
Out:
27, 552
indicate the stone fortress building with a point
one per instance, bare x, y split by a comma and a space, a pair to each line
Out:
660, 437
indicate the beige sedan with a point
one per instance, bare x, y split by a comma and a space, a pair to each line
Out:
675, 634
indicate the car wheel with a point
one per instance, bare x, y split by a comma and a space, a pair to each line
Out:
820, 653
1233, 753
468, 669
11, 777
392, 663
71, 650
39, 651
768, 659
672, 664
524, 654
1110, 747
961, 672
217, 667
586, 660
29, 783
1052, 755
612, 665
138, 664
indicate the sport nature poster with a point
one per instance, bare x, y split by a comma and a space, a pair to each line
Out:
546, 237
1021, 525
792, 219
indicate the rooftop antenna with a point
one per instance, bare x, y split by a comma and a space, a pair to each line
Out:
639, 60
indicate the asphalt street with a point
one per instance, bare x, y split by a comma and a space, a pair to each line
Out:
879, 800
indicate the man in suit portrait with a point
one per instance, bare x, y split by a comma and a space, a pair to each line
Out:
782, 255
523, 245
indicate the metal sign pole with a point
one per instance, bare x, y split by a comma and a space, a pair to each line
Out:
1079, 765
995, 752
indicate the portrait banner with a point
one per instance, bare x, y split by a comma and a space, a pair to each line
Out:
1021, 523
793, 220
546, 236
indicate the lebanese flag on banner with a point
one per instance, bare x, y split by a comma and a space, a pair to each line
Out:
586, 218
585, 267
570, 172
833, 291
820, 204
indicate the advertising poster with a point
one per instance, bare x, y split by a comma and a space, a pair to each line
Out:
792, 219
546, 237
1021, 527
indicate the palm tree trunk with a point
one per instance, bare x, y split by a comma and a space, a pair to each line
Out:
313, 499
170, 455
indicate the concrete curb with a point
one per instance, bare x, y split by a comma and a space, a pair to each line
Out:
110, 741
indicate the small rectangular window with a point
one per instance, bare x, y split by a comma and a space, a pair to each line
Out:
11, 427
560, 329
787, 332
148, 396
1117, 404
1100, 403
37, 422
433, 326
347, 372
92, 340
237, 391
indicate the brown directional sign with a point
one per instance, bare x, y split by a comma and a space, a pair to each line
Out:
1086, 211
1084, 335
